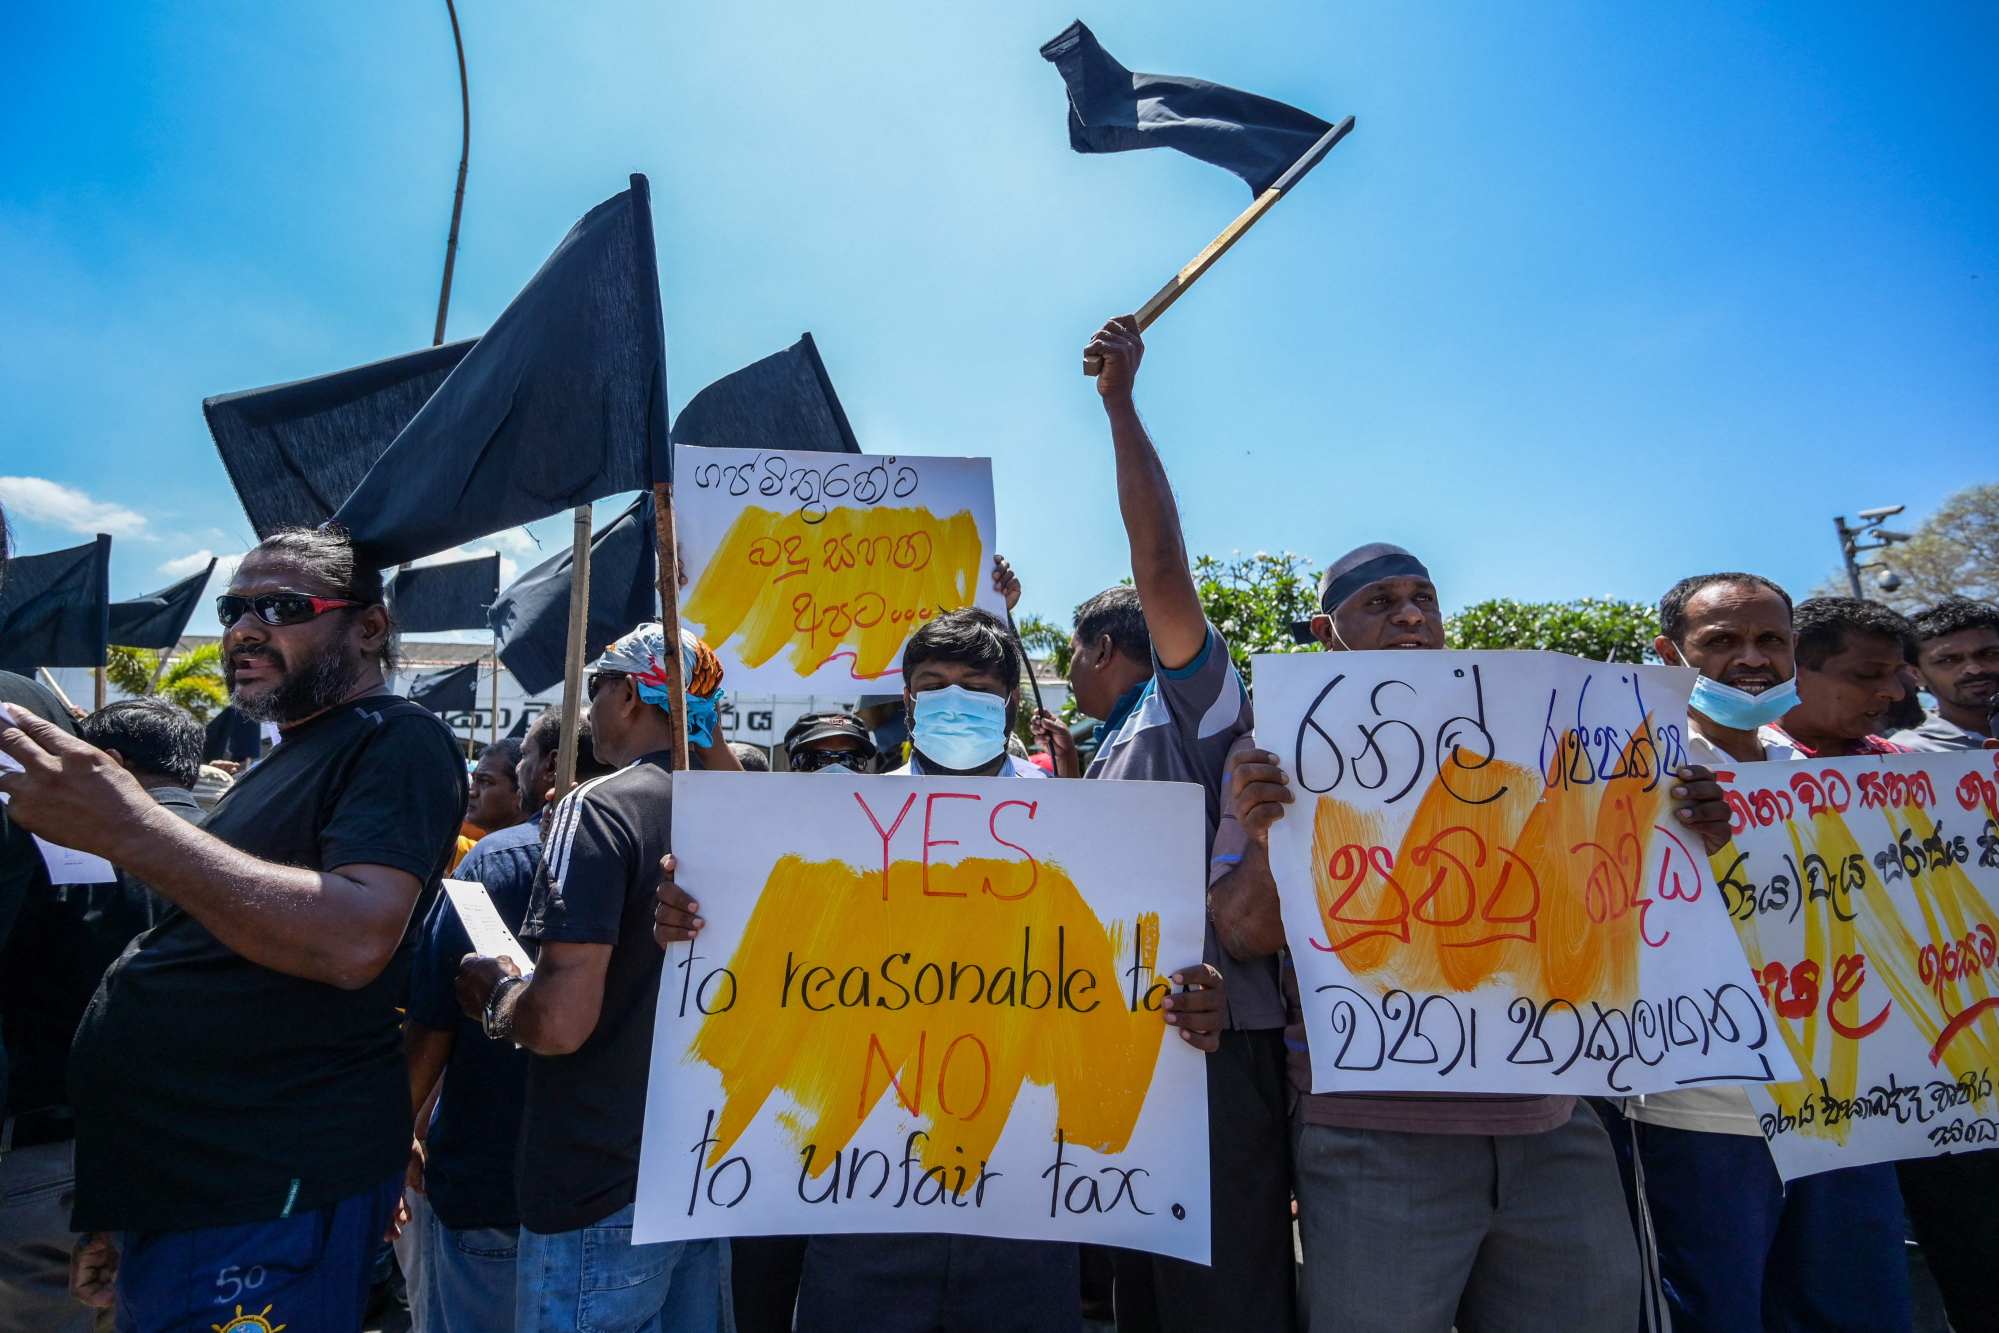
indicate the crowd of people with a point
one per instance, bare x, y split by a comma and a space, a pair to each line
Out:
268, 1048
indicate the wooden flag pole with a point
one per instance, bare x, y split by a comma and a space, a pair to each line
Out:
493, 735
49, 679
666, 556
572, 676
101, 686
1215, 249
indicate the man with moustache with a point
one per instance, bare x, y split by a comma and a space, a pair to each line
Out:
1423, 1211
241, 1106
1737, 1248
1957, 654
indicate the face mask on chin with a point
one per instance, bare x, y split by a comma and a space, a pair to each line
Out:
1739, 710
960, 729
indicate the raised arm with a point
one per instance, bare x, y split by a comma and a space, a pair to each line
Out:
1159, 564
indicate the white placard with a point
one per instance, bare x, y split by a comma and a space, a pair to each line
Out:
807, 572
928, 1004
1483, 883
489, 934
1866, 893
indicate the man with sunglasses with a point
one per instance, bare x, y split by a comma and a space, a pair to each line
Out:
585, 1014
819, 741
241, 1106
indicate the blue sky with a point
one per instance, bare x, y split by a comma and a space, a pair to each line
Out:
1594, 297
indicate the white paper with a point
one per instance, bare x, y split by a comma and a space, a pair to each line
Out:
807, 572
1483, 884
952, 1106
482, 923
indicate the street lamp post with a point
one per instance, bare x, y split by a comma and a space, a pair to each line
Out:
1852, 543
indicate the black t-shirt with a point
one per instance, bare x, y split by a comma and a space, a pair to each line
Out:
210, 1091
579, 1159
22, 871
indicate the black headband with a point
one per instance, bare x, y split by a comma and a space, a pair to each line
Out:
1355, 570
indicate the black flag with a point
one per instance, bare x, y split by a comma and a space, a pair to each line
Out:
785, 401
295, 451
158, 619
452, 690
1112, 109
55, 609
561, 402
440, 597
531, 618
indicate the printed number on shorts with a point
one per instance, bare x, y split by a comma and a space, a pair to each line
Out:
238, 1280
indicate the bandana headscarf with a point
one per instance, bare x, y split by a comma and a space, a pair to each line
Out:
640, 655
1355, 570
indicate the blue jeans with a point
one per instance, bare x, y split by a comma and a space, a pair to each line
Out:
1738, 1250
308, 1271
468, 1279
595, 1280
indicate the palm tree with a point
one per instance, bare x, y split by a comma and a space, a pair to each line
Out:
193, 680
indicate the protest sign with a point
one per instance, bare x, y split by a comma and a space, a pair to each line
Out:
1863, 891
1483, 886
930, 1005
807, 572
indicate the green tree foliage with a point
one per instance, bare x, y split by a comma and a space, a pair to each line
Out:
1254, 600
1954, 553
192, 680
1601, 629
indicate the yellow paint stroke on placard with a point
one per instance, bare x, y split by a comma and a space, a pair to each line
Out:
855, 584
1027, 984
1953, 1008
1496, 876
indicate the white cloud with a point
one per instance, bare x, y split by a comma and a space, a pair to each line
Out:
45, 501
510, 568
182, 566
518, 541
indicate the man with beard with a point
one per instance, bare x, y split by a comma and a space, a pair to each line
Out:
1737, 1248
1418, 1211
241, 1108
1957, 652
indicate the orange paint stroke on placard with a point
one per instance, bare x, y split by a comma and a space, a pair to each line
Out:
1943, 983
860, 580
1496, 876
948, 988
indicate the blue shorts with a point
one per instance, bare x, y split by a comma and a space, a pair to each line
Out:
306, 1272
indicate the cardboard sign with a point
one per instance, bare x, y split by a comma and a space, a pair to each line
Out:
1483, 885
1864, 893
930, 1004
807, 572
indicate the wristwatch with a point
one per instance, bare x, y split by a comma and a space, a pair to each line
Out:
496, 1026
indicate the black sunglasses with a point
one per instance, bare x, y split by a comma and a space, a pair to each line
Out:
598, 679
811, 761
278, 608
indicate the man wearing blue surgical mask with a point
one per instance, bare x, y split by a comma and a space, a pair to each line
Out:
1736, 1248
960, 689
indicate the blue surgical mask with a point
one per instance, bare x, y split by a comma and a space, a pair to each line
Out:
958, 728
1740, 710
